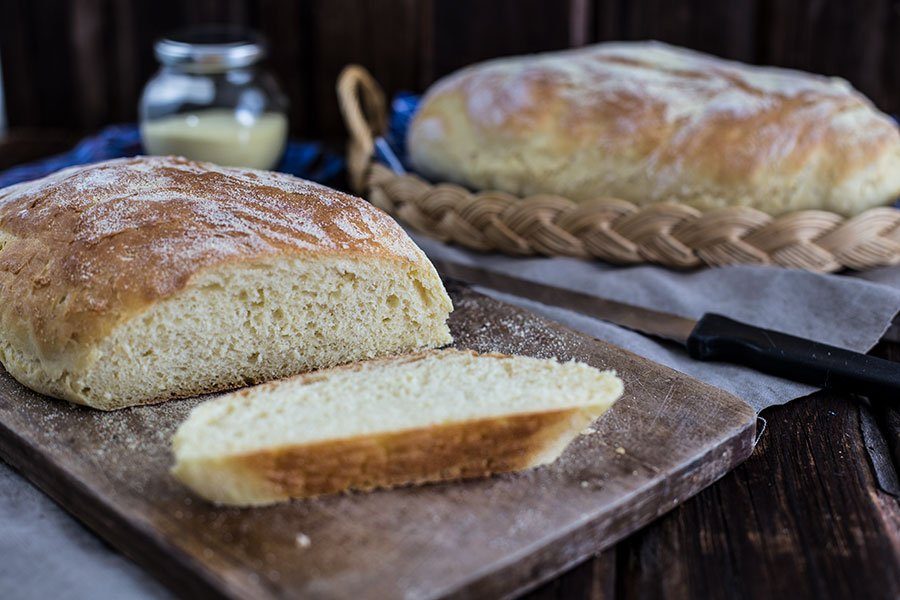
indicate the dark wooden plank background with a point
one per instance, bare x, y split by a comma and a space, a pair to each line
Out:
78, 65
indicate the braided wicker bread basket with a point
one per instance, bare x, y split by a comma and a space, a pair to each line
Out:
608, 229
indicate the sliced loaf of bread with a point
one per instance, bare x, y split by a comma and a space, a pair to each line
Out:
431, 416
143, 279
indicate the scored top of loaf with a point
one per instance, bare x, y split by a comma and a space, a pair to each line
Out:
83, 247
669, 82
649, 122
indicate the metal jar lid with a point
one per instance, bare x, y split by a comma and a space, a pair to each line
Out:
211, 48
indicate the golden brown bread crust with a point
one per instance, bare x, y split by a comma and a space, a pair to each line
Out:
213, 459
439, 453
85, 248
648, 123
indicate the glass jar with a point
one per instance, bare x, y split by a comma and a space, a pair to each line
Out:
211, 100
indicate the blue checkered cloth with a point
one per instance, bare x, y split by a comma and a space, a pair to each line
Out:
403, 109
303, 159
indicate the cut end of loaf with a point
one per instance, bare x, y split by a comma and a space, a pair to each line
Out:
253, 322
434, 416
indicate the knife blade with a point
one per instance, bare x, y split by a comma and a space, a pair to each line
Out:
643, 320
713, 337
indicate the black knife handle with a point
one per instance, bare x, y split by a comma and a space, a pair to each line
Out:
719, 338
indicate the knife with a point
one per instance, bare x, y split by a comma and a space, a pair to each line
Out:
711, 338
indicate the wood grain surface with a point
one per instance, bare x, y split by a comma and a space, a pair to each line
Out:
669, 437
813, 513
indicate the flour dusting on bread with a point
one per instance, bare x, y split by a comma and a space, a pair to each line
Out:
648, 122
143, 279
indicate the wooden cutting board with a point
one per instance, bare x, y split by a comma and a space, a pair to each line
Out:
666, 439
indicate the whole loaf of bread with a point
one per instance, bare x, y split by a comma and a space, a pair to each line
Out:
139, 280
647, 122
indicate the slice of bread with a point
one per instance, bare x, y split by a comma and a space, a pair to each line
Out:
431, 416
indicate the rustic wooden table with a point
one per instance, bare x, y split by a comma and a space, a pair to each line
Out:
814, 513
